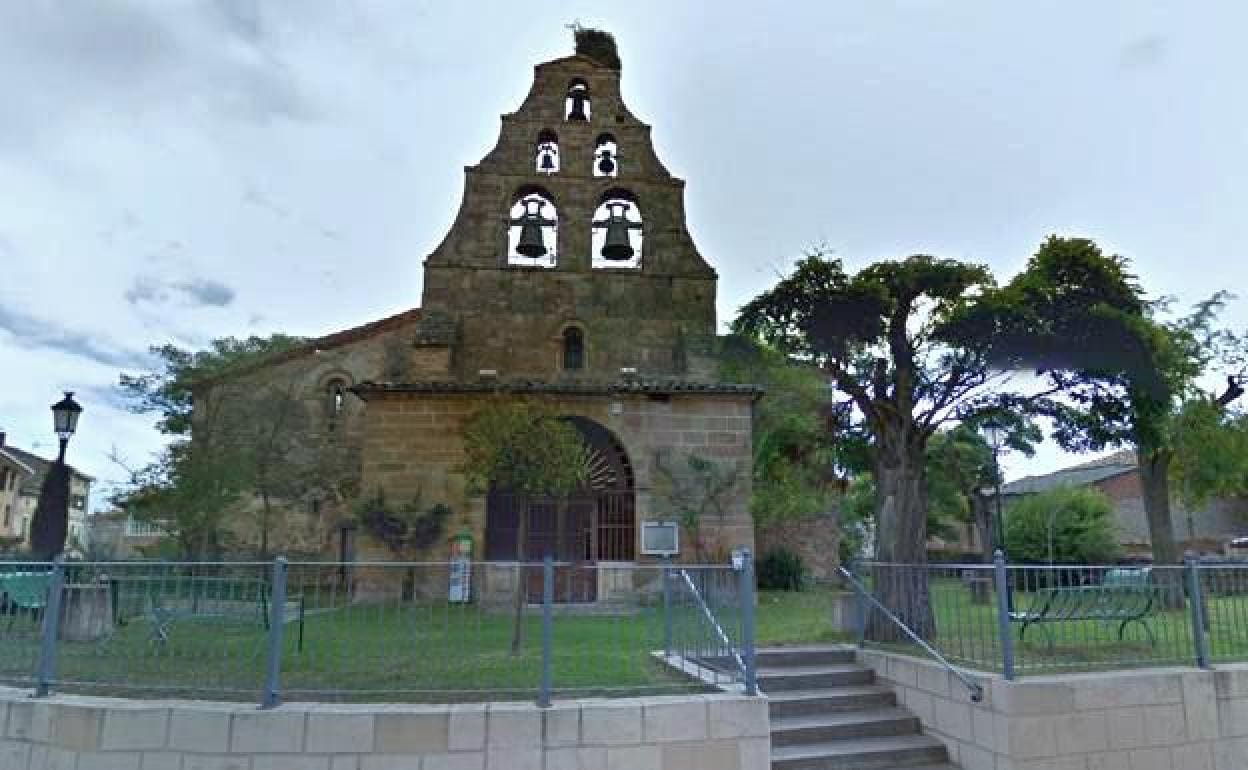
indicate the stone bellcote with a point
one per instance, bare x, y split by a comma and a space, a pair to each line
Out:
572, 221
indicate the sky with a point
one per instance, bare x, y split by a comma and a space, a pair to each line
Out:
178, 171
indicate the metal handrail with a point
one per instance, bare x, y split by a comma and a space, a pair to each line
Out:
710, 618
977, 691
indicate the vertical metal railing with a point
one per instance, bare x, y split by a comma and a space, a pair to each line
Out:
50, 630
271, 693
546, 681
746, 597
1005, 634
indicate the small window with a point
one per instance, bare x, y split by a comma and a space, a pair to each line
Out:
8, 515
335, 400
606, 156
573, 349
547, 161
576, 105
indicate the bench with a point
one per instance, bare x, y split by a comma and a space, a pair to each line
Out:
23, 591
166, 600
1124, 596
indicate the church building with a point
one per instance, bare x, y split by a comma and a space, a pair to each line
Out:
568, 278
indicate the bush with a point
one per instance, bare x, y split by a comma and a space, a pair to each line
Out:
781, 570
1078, 521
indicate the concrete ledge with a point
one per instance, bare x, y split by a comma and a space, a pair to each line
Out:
727, 731
1138, 719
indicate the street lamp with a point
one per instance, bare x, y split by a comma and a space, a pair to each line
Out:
994, 434
65, 420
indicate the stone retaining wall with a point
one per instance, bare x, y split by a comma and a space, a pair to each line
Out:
726, 732
1142, 719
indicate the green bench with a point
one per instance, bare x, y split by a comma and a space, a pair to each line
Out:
1124, 596
166, 600
24, 591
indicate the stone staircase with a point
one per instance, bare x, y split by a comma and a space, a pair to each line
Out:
828, 713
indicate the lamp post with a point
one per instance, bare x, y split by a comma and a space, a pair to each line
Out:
65, 420
994, 434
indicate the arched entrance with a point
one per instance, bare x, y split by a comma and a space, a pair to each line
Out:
598, 522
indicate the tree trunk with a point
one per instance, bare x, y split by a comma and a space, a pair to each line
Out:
521, 576
901, 583
1154, 468
981, 511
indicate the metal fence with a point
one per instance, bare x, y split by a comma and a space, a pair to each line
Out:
1030, 619
427, 631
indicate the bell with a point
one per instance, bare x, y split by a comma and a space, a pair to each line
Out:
548, 163
605, 164
578, 105
616, 246
531, 243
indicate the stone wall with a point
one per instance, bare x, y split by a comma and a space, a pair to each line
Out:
726, 732
413, 445
816, 539
1143, 719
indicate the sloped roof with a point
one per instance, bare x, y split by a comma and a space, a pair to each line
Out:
39, 469
1080, 475
327, 342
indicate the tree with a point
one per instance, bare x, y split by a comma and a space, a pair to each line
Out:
1066, 525
704, 487
1210, 452
891, 338
248, 440
1081, 320
799, 457
526, 449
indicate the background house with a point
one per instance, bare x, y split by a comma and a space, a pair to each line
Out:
1205, 528
21, 477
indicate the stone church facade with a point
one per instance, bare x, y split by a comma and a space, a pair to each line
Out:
568, 278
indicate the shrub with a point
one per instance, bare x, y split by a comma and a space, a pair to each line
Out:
1067, 525
781, 570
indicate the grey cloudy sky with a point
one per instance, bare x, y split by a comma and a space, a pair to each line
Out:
177, 171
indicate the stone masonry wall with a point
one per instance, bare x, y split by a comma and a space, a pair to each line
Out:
726, 732
1143, 719
413, 445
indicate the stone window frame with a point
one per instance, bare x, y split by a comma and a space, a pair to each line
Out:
328, 397
544, 137
560, 349
618, 193
603, 139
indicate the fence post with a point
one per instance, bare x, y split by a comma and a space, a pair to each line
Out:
271, 694
51, 628
548, 606
667, 607
860, 603
747, 622
1192, 567
1001, 580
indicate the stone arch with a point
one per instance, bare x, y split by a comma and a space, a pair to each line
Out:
606, 156
576, 104
546, 160
618, 230
599, 521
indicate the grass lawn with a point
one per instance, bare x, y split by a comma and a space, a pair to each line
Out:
442, 652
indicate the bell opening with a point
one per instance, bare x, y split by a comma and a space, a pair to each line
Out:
532, 231
577, 105
606, 156
617, 234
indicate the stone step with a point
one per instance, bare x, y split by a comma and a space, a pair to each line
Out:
791, 703
813, 677
890, 752
777, 657
821, 728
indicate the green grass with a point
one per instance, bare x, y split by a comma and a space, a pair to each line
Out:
441, 652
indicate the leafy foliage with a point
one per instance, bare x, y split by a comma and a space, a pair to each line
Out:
781, 570
704, 487
1066, 525
411, 526
1210, 452
796, 451
525, 448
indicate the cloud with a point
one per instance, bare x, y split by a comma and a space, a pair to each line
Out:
195, 292
1144, 52
35, 333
